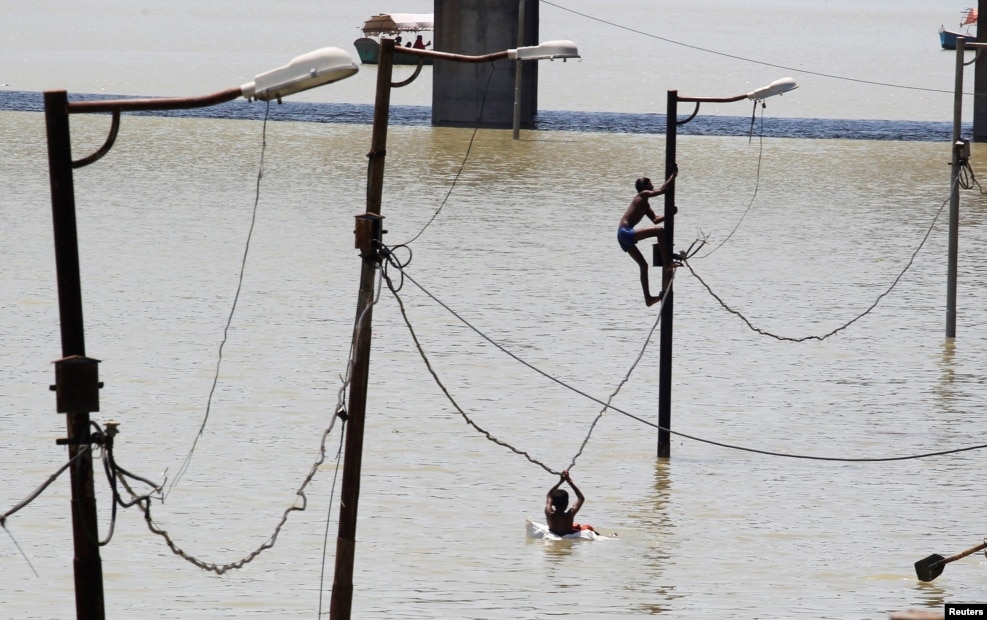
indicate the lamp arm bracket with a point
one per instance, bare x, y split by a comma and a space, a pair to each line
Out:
691, 116
144, 105
414, 76
434, 54
103, 150
976, 55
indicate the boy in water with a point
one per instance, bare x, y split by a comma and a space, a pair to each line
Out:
561, 521
627, 237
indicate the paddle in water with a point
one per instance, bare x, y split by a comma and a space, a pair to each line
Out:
931, 567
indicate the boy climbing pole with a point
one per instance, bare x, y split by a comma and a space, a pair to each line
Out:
559, 520
628, 237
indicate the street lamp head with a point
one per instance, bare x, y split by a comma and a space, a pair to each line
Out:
777, 87
549, 50
322, 66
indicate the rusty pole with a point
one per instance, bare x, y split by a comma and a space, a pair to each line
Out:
87, 564
341, 604
76, 378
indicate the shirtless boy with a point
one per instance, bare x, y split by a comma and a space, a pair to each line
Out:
628, 237
561, 521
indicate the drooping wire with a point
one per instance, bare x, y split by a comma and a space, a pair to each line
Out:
750, 133
351, 361
741, 58
23, 555
647, 341
111, 477
435, 376
114, 474
236, 298
143, 501
332, 493
757, 180
660, 427
390, 259
466, 157
966, 178
33, 495
763, 332
389, 254
498, 345
836, 459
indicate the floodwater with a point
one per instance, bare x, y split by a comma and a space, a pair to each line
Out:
522, 249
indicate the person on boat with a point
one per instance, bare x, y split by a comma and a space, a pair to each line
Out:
561, 521
627, 236
419, 44
397, 40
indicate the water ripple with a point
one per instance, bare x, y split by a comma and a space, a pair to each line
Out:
550, 120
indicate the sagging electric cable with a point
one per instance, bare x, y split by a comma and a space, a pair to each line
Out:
845, 325
332, 494
438, 381
388, 254
658, 426
757, 181
236, 297
647, 341
966, 177
143, 502
33, 495
742, 58
462, 166
20, 550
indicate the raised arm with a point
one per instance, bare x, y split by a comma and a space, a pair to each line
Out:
548, 496
579, 494
664, 186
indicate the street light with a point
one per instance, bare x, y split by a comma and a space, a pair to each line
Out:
672, 122
76, 377
368, 237
323, 66
549, 50
778, 87
561, 49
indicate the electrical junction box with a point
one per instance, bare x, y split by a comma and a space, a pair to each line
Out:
77, 384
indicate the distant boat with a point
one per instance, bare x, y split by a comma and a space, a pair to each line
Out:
947, 38
395, 25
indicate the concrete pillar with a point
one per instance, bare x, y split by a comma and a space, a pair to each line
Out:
467, 94
980, 79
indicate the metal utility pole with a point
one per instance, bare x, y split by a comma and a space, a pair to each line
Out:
518, 69
960, 149
668, 243
341, 605
954, 192
76, 376
664, 257
76, 381
369, 228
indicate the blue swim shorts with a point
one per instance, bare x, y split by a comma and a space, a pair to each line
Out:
625, 237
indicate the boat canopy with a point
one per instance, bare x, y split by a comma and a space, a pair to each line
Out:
394, 23
969, 16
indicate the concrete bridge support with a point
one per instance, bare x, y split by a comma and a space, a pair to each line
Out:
482, 95
980, 79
